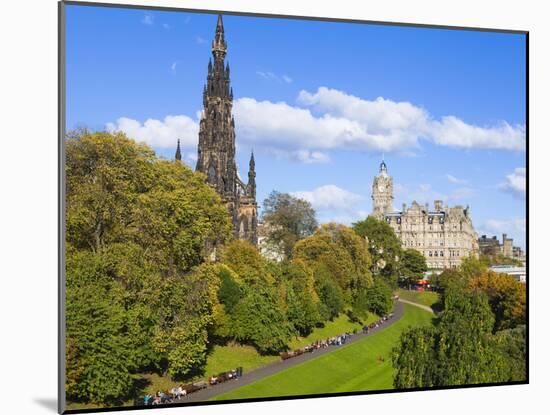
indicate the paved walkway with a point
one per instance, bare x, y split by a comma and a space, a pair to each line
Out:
422, 306
272, 368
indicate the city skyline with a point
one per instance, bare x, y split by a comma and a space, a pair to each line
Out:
446, 105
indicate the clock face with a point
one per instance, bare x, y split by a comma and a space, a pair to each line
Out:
381, 188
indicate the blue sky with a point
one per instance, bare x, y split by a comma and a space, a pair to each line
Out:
320, 103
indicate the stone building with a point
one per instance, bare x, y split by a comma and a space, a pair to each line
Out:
444, 235
489, 246
493, 247
216, 149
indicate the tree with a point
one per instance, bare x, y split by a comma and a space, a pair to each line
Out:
413, 265
119, 192
384, 247
289, 219
507, 297
513, 345
258, 320
99, 358
472, 267
344, 254
245, 260
459, 350
301, 298
186, 310
136, 228
330, 294
377, 299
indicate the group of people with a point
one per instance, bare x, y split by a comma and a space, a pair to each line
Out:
181, 391
225, 376
376, 324
161, 397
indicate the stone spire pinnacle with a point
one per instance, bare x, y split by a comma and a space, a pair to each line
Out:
178, 151
251, 186
219, 46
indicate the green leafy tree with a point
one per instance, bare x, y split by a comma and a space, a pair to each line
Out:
330, 294
186, 314
244, 259
344, 254
301, 298
460, 350
413, 266
507, 297
136, 227
376, 299
118, 192
472, 267
258, 320
290, 219
512, 344
384, 247
99, 358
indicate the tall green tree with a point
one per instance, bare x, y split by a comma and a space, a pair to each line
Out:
344, 254
301, 297
377, 299
136, 228
289, 218
384, 247
413, 266
459, 350
119, 192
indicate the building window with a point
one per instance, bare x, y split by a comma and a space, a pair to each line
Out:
435, 253
430, 253
441, 253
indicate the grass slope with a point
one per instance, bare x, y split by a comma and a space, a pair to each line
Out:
339, 325
427, 298
351, 368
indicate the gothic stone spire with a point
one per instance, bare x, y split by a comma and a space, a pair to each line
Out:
178, 151
216, 149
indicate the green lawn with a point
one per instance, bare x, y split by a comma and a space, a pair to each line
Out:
339, 325
351, 368
427, 298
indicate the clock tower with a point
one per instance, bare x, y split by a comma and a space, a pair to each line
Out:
382, 193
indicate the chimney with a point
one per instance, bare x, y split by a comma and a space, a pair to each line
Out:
438, 204
404, 207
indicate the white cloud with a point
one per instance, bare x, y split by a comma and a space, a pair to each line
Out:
148, 19
200, 40
514, 227
330, 197
173, 67
455, 180
166, 26
287, 79
453, 132
516, 183
160, 133
330, 120
270, 76
390, 125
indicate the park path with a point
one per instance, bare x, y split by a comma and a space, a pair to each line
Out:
422, 306
275, 367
